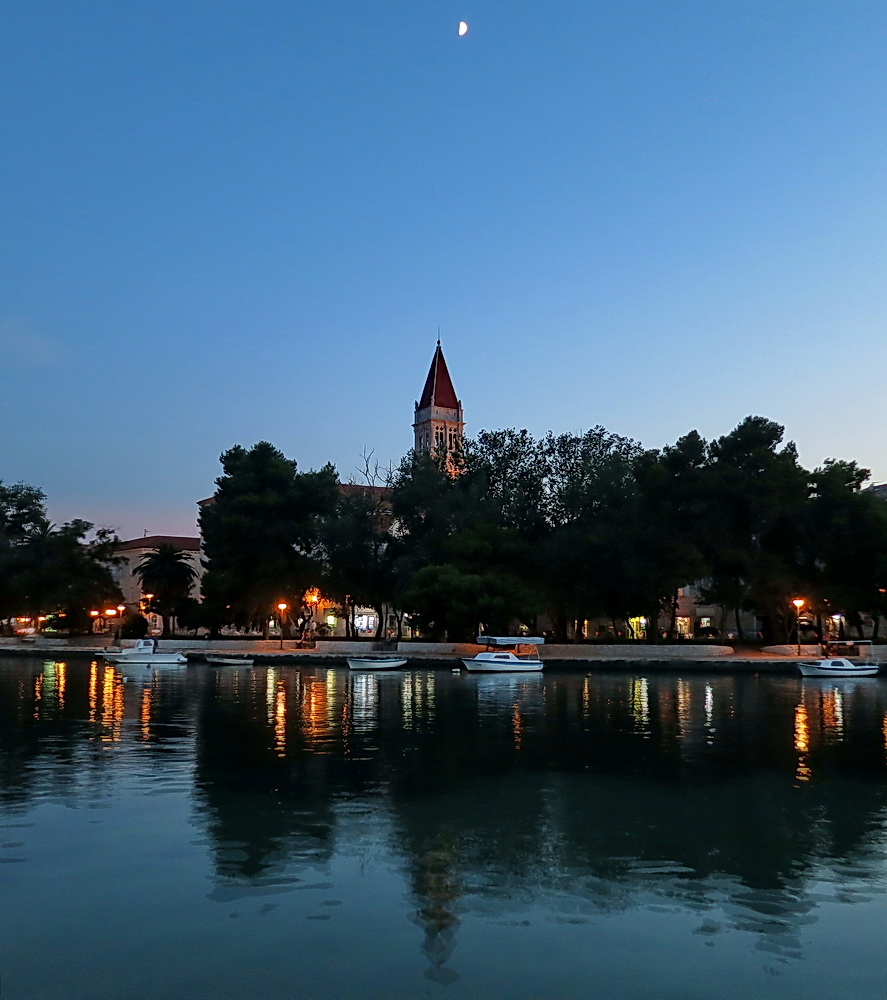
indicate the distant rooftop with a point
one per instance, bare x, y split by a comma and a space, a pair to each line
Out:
185, 543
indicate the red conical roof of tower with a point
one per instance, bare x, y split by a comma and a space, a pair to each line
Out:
438, 389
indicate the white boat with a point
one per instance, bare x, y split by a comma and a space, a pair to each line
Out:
506, 653
229, 661
376, 662
145, 653
839, 666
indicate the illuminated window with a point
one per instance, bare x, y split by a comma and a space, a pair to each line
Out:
683, 626
637, 628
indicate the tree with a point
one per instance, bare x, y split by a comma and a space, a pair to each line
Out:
458, 562
845, 539
60, 569
261, 532
667, 523
505, 475
167, 573
358, 558
22, 509
587, 561
751, 536
133, 625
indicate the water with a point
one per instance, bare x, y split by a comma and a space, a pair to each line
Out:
309, 833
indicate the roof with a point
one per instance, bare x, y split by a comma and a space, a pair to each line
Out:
438, 389
185, 543
358, 489
511, 640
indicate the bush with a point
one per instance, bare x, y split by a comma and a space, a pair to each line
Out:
133, 626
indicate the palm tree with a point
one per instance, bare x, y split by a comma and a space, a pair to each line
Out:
167, 573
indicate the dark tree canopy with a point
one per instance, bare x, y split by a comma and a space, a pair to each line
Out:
261, 532
509, 530
51, 570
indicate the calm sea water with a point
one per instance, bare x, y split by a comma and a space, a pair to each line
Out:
313, 833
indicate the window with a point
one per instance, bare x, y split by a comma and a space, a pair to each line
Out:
682, 626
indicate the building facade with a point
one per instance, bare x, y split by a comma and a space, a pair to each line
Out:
131, 552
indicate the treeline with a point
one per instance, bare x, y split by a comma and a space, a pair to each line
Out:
513, 529
48, 571
571, 527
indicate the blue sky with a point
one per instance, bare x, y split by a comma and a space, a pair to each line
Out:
223, 222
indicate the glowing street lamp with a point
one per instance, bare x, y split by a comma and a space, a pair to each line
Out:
282, 608
798, 603
112, 614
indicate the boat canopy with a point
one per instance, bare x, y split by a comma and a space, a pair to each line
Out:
510, 640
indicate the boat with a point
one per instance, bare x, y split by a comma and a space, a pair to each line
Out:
506, 653
839, 666
145, 653
229, 661
376, 662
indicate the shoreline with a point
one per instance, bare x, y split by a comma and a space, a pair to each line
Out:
741, 663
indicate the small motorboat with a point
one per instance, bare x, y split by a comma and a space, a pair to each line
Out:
229, 661
839, 666
376, 662
145, 653
506, 653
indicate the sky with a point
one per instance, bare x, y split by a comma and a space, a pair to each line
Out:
239, 220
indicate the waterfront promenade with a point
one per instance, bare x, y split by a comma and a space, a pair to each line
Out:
670, 656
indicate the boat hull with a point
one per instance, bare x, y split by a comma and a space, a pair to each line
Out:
476, 665
376, 662
147, 659
228, 661
146, 654
848, 670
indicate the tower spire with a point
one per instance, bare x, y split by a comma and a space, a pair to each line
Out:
437, 421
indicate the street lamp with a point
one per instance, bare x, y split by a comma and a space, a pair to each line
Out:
111, 620
798, 603
281, 608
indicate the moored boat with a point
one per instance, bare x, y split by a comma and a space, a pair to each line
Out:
229, 661
376, 662
506, 654
145, 653
839, 666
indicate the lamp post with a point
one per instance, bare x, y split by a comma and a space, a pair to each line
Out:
145, 608
111, 621
282, 608
798, 603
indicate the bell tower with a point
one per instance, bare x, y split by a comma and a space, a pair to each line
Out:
437, 421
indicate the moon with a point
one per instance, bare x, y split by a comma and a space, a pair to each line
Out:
463, 28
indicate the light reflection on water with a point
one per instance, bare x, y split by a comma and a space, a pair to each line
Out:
452, 835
